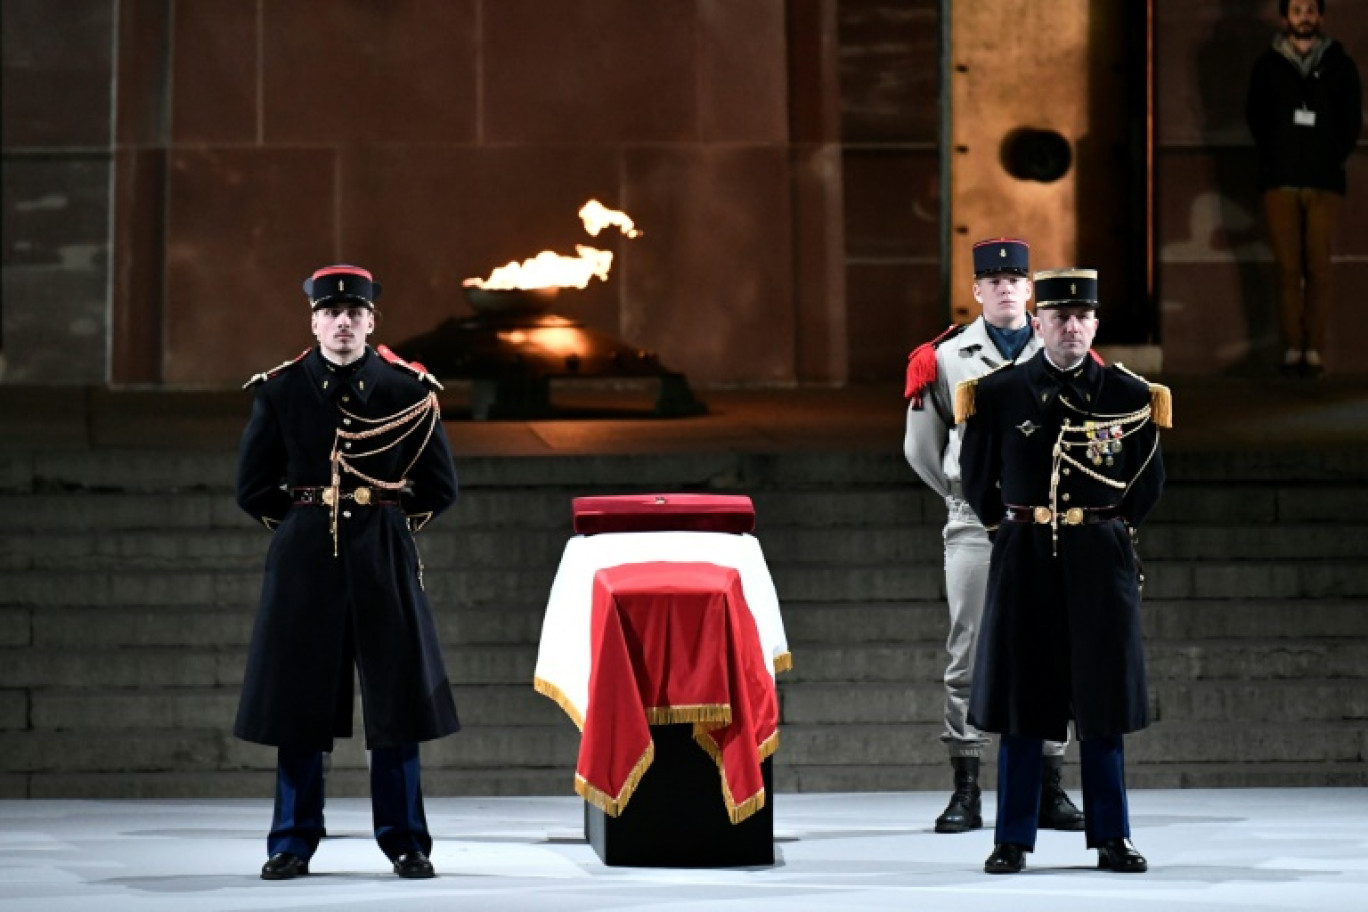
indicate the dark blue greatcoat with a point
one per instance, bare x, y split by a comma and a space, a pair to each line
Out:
1060, 637
320, 614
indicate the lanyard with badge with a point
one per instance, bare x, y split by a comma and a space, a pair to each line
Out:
1304, 116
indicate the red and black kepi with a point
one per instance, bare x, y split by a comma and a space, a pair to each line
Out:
342, 284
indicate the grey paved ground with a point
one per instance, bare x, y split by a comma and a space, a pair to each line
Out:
1209, 850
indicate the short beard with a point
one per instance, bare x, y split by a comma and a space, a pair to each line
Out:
1304, 31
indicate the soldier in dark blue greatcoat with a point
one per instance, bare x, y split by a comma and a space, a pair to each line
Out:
1061, 462
344, 459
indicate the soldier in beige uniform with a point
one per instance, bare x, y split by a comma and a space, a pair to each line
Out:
1002, 334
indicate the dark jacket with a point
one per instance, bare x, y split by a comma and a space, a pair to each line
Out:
1291, 155
1060, 637
321, 614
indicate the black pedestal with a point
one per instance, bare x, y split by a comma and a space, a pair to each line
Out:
677, 818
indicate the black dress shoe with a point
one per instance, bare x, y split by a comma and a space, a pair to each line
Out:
1006, 859
284, 866
1120, 856
414, 865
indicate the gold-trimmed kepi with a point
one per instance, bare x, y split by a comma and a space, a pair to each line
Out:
1002, 255
1072, 287
342, 284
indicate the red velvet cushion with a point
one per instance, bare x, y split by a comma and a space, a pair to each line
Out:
664, 513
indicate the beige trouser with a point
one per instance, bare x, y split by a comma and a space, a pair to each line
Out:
1300, 223
967, 553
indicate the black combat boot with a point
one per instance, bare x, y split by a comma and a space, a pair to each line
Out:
1057, 812
965, 810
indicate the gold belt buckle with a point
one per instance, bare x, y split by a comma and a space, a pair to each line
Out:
1043, 515
1073, 516
328, 496
362, 496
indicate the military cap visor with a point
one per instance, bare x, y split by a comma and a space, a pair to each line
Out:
1066, 288
999, 256
334, 285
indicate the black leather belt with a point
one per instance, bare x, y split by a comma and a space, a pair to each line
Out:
323, 497
1074, 516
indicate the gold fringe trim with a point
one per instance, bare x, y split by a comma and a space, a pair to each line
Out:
699, 712
783, 662
769, 746
965, 392
547, 689
605, 802
736, 812
1161, 405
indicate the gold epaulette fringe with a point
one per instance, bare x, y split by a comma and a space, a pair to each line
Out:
547, 689
1161, 405
783, 662
612, 806
1161, 399
965, 393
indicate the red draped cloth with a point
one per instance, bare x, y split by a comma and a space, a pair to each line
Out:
675, 642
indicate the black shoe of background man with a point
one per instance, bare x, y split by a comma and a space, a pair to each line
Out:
1007, 858
413, 865
1057, 812
284, 866
965, 810
1120, 856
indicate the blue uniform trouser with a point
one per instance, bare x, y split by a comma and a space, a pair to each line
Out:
1104, 790
396, 802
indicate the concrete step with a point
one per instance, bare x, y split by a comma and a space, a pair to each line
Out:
243, 546
94, 709
1167, 743
63, 665
807, 624
209, 469
1302, 700
1215, 619
1341, 700
199, 668
891, 777
204, 589
259, 784
1198, 579
157, 749
891, 703
1249, 659
1245, 542
190, 626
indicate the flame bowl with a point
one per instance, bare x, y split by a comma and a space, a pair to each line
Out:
510, 301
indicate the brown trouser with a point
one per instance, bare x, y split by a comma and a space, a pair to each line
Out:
1300, 221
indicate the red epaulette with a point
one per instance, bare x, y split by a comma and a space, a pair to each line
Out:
1096, 357
267, 375
413, 367
921, 365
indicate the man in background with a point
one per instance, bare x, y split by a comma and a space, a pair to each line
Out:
1304, 110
